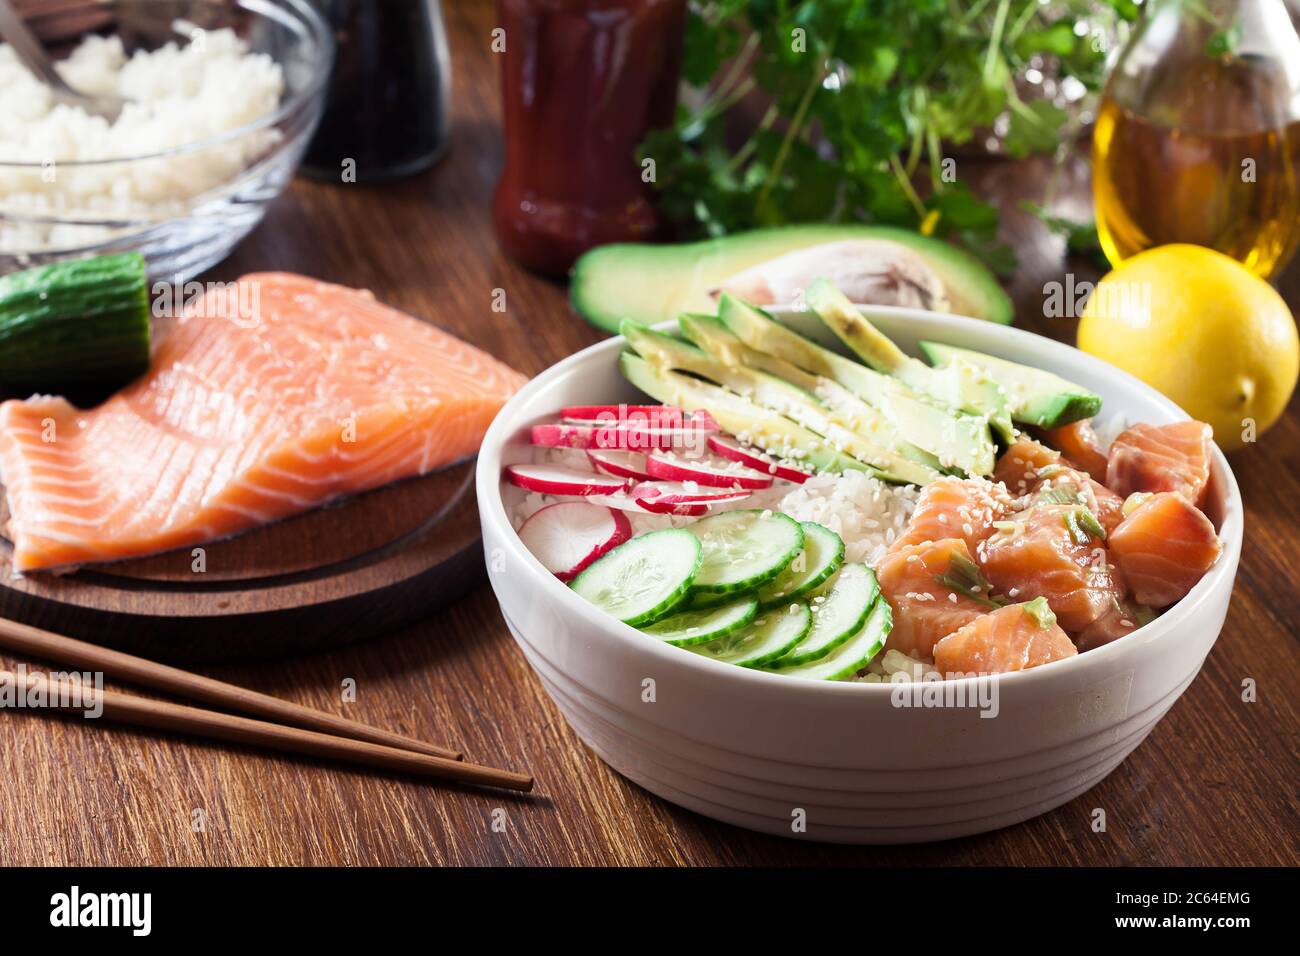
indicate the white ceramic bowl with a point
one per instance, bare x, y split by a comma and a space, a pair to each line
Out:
840, 761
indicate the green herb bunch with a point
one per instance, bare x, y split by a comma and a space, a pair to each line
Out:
864, 95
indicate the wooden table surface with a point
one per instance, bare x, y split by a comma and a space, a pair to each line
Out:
1215, 783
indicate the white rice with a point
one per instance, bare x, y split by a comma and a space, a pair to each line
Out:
178, 95
866, 512
894, 667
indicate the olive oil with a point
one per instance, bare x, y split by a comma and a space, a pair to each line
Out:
1197, 137
1237, 192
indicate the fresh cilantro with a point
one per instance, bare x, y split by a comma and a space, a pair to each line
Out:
862, 98
1080, 237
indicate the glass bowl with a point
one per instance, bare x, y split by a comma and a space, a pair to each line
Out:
190, 204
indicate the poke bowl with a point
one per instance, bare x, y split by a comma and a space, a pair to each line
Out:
864, 760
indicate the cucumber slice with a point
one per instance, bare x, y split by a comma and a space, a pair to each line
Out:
79, 326
822, 555
643, 579
855, 654
769, 637
699, 627
702, 600
744, 549
839, 617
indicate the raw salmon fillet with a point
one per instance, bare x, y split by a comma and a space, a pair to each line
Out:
955, 508
1008, 639
242, 420
1161, 458
924, 610
1164, 547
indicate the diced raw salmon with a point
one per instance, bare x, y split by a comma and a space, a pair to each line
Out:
924, 610
1105, 505
1040, 557
955, 508
1161, 458
242, 420
1018, 467
1011, 638
1080, 445
1123, 618
1164, 547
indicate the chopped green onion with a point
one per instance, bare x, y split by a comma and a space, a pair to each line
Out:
1083, 526
1089, 523
1066, 494
1040, 611
964, 577
1133, 502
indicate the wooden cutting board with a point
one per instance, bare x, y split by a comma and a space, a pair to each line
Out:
349, 571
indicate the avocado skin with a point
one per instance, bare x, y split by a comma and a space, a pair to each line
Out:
652, 283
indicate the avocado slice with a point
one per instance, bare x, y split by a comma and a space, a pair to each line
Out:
959, 385
763, 333
777, 395
841, 406
1034, 396
738, 415
653, 283
958, 441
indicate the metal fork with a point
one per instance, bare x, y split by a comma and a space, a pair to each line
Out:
14, 31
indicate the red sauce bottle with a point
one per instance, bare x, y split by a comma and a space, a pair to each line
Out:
582, 82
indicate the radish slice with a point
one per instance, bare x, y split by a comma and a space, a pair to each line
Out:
686, 504
702, 419
568, 536
558, 480
671, 497
596, 435
662, 416
729, 448
686, 509
621, 464
714, 472
619, 502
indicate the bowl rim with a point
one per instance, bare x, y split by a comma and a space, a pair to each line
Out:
1221, 575
316, 28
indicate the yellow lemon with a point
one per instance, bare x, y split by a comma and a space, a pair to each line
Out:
1201, 328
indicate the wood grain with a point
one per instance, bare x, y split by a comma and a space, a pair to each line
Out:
1215, 783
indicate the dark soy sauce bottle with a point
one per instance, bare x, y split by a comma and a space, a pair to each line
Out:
387, 102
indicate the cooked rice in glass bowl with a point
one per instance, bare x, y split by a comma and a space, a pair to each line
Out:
223, 98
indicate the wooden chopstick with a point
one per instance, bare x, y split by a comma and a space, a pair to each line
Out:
164, 715
137, 670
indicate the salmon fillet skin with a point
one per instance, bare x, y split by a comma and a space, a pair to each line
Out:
245, 416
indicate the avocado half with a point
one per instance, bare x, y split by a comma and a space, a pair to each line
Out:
651, 283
